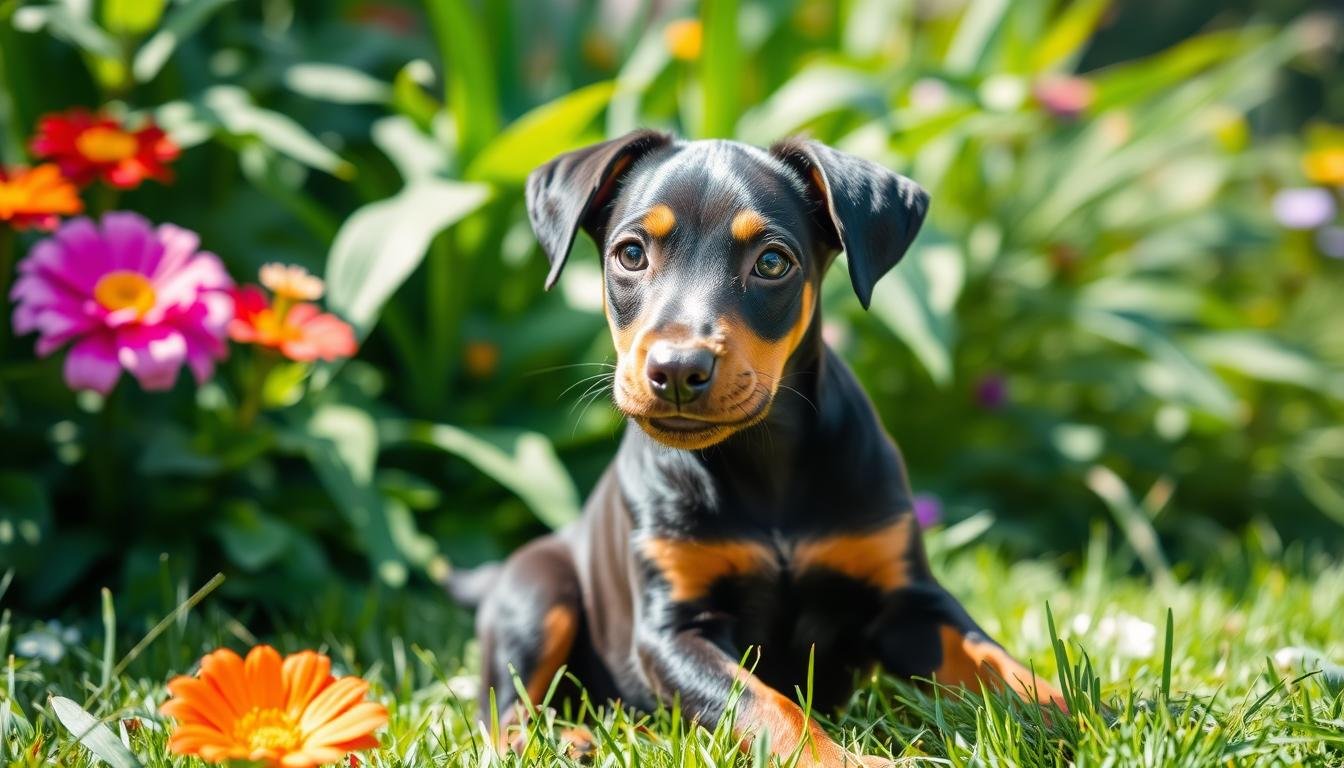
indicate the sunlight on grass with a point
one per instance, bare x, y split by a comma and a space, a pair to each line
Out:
1226, 702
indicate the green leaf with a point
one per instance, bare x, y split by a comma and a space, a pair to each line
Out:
917, 301
381, 244
555, 127
416, 155
341, 444
720, 68
98, 738
1064, 43
232, 107
979, 24
132, 17
816, 91
251, 538
409, 96
336, 84
522, 461
184, 21
470, 87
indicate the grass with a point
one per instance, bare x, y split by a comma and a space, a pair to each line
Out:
1204, 689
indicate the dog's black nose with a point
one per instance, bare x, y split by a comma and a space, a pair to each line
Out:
679, 374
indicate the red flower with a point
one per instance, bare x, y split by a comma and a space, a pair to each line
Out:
299, 331
36, 198
89, 146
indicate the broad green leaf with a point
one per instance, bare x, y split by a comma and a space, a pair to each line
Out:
1131, 82
251, 538
341, 443
95, 736
471, 91
524, 462
183, 22
381, 244
415, 154
232, 107
409, 96
132, 17
917, 301
1317, 461
1169, 371
337, 84
1266, 358
720, 68
558, 126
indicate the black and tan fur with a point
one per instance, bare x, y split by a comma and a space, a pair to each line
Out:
757, 505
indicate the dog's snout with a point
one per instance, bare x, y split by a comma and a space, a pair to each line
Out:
679, 373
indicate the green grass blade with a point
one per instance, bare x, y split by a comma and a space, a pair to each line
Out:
720, 69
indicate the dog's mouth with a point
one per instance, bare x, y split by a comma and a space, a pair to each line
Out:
693, 432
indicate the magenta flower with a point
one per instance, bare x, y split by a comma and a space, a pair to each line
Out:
991, 391
128, 295
928, 509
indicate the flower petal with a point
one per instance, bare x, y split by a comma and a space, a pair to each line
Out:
153, 354
305, 675
360, 720
92, 364
335, 699
263, 677
223, 669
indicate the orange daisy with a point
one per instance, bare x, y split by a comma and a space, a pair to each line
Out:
283, 714
36, 197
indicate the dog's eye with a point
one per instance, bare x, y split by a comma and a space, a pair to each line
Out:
631, 256
771, 265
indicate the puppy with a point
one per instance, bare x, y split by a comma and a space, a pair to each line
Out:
756, 509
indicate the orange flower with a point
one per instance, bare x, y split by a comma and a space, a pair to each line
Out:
684, 39
37, 197
1325, 166
91, 146
283, 714
299, 331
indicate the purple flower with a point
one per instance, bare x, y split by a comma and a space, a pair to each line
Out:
1331, 241
991, 392
127, 295
928, 509
1304, 207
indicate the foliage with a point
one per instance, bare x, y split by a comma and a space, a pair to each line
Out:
1101, 320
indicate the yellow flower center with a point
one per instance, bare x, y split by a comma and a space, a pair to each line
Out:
268, 729
124, 289
105, 145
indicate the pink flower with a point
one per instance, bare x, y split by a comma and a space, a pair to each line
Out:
125, 295
1067, 98
928, 509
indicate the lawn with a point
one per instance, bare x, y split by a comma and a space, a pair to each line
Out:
1230, 689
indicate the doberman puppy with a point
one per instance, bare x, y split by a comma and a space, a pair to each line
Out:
759, 510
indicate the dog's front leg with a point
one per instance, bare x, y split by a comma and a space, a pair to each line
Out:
924, 632
685, 664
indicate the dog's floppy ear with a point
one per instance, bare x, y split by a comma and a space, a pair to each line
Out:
573, 190
871, 212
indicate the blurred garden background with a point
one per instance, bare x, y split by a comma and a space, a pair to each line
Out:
1119, 338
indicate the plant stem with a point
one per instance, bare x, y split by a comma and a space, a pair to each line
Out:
262, 364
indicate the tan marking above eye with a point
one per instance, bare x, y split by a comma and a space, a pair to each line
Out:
877, 557
691, 567
747, 224
659, 221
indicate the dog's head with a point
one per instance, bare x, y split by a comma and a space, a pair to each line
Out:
713, 253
